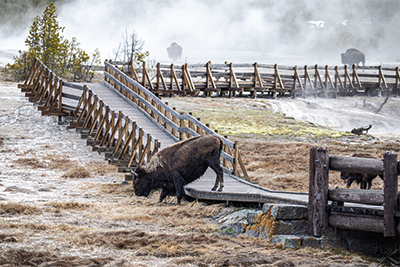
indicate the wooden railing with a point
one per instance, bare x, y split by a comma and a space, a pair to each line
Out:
126, 142
269, 79
45, 88
178, 125
353, 209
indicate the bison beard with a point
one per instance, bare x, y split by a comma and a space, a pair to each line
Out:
180, 164
363, 179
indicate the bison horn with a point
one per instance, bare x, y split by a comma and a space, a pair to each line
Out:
135, 174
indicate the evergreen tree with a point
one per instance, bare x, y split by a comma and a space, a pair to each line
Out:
46, 42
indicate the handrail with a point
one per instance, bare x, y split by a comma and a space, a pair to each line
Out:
159, 111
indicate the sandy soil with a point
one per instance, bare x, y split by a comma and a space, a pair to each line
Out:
62, 205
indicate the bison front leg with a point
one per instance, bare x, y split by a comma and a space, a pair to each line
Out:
179, 182
163, 195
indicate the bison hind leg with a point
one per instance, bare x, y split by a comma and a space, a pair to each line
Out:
220, 177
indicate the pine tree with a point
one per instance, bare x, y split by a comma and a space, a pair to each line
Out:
46, 42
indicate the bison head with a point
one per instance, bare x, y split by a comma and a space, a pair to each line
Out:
141, 182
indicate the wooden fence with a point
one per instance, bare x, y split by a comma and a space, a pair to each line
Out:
106, 129
178, 125
353, 209
267, 79
45, 88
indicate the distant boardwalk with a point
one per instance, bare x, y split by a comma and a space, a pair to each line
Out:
265, 80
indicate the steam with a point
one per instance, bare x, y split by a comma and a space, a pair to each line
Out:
265, 31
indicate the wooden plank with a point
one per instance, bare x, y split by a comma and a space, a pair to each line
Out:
318, 191
356, 223
390, 189
354, 164
369, 197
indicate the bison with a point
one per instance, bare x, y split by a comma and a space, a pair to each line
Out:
174, 51
353, 56
363, 179
180, 164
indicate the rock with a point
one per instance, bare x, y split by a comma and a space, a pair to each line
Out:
232, 229
252, 216
289, 241
286, 211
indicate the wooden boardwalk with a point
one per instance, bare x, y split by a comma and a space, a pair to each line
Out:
128, 122
236, 189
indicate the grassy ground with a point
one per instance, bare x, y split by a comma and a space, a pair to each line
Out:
275, 148
61, 204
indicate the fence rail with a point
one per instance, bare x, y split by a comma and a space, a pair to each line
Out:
338, 207
268, 79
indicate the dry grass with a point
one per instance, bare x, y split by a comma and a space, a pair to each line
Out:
69, 205
213, 249
284, 165
77, 172
18, 208
188, 216
46, 162
26, 257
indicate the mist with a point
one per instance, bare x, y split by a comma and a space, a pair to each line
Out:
264, 31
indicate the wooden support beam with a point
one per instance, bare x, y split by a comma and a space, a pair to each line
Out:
362, 196
390, 189
318, 191
351, 222
354, 164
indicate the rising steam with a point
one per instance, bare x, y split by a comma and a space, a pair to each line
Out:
266, 31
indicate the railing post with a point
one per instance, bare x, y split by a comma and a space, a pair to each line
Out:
198, 129
236, 159
397, 81
174, 120
181, 125
305, 81
158, 76
345, 80
140, 143
60, 96
171, 77
390, 185
225, 149
148, 145
318, 191
143, 74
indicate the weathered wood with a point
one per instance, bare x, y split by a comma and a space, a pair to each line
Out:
390, 189
356, 223
318, 191
356, 165
369, 197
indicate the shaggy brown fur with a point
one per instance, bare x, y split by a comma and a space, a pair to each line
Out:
177, 165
